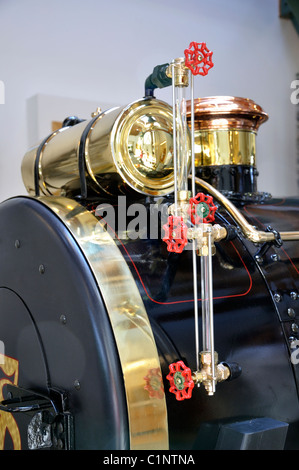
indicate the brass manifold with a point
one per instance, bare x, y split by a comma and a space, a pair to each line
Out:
206, 375
201, 232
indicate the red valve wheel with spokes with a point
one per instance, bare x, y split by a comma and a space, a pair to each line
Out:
181, 382
175, 234
198, 58
202, 209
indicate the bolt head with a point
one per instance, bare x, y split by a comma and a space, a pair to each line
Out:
77, 384
291, 312
63, 319
41, 269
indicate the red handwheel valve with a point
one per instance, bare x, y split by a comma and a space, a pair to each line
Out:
202, 209
198, 58
181, 382
175, 234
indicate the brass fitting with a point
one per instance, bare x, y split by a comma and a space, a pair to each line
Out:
181, 72
181, 208
96, 112
184, 196
201, 232
219, 232
205, 375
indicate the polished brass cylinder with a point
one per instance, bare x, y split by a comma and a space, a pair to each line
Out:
225, 129
130, 146
225, 147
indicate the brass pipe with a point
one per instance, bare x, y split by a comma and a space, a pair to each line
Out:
252, 234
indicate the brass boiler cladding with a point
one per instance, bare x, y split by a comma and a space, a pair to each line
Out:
118, 150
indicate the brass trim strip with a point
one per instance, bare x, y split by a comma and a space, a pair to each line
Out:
225, 147
256, 236
147, 412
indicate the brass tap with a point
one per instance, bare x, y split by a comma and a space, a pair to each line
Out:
201, 233
205, 375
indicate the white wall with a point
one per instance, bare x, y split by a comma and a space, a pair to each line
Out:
101, 52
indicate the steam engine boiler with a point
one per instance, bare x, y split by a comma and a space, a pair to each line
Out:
149, 292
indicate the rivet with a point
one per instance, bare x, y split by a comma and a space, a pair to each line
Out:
277, 297
295, 327
42, 269
274, 257
294, 295
291, 312
17, 243
77, 384
63, 319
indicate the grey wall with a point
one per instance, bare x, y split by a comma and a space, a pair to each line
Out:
96, 51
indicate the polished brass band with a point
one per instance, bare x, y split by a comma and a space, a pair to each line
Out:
225, 130
133, 143
136, 345
224, 147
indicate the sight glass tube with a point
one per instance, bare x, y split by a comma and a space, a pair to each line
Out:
207, 307
180, 82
